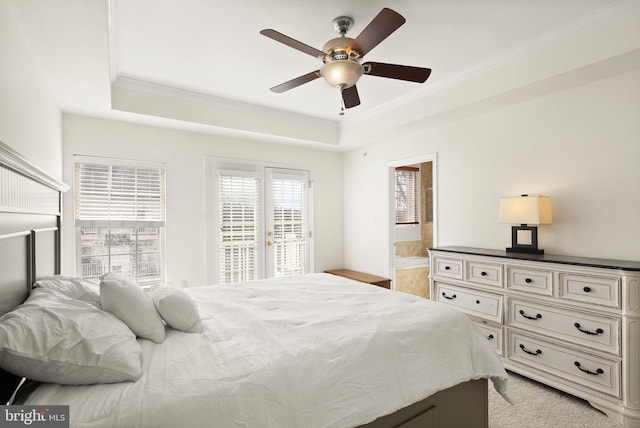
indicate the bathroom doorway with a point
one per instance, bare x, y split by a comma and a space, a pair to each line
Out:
410, 237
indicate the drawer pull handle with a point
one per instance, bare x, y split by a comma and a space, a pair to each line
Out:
490, 337
447, 297
597, 332
447, 267
586, 289
596, 373
537, 317
528, 280
538, 352
477, 302
483, 273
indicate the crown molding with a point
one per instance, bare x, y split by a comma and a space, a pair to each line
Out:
16, 162
577, 26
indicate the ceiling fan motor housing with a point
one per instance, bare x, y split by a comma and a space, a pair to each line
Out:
341, 65
340, 46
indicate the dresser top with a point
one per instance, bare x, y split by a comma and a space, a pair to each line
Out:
548, 258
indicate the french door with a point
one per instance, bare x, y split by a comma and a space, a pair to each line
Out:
287, 222
260, 221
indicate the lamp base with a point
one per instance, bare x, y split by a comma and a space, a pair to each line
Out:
524, 239
524, 250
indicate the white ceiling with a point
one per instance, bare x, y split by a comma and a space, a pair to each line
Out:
213, 48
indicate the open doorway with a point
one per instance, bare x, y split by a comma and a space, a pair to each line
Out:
411, 237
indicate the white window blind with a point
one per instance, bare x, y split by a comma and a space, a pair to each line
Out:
129, 195
239, 218
407, 195
290, 199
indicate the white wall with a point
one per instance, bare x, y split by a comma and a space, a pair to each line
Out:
30, 120
184, 154
573, 136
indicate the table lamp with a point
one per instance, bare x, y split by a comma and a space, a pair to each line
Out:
525, 211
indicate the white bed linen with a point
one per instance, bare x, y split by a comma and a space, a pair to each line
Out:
310, 351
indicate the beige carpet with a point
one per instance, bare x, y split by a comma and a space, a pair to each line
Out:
540, 406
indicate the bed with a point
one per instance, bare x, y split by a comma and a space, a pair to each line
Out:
315, 350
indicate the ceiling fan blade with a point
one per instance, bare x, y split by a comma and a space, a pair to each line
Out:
293, 43
350, 97
385, 23
296, 82
394, 71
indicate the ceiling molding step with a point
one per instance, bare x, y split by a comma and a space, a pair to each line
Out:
610, 67
138, 96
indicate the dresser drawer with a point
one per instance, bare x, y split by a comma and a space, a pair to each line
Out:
484, 273
595, 331
530, 280
473, 302
493, 333
447, 267
592, 371
601, 290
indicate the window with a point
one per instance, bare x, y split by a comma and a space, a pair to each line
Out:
120, 218
407, 195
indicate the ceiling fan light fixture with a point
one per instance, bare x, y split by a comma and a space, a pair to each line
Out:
342, 57
342, 73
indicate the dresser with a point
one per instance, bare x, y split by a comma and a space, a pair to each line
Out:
572, 323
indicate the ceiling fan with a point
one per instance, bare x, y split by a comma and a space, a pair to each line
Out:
342, 57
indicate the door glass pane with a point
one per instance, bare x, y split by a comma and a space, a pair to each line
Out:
290, 224
239, 217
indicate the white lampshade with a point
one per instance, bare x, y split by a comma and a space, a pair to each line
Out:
525, 210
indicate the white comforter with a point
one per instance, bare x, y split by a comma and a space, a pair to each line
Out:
310, 351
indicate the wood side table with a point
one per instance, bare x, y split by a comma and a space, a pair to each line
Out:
362, 277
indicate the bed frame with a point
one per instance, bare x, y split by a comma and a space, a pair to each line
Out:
30, 246
30, 216
464, 405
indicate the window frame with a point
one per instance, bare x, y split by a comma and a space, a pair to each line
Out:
411, 216
136, 226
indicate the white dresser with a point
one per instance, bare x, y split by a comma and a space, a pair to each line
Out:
570, 322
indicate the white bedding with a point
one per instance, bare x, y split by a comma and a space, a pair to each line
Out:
310, 351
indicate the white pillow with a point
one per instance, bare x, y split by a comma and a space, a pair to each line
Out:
59, 339
177, 308
128, 301
79, 288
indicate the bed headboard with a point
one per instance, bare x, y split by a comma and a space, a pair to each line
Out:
30, 220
